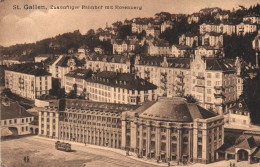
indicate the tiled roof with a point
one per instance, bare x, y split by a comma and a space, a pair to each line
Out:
111, 107
80, 73
13, 110
179, 62
248, 143
29, 68
122, 80
218, 65
63, 62
182, 47
175, 110
151, 60
109, 58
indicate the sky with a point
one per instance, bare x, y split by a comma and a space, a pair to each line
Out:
27, 26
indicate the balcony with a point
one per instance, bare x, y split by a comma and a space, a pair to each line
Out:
219, 95
200, 77
218, 88
180, 76
202, 86
180, 83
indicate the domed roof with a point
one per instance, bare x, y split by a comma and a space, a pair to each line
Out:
175, 110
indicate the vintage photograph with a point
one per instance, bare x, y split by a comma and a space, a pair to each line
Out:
130, 83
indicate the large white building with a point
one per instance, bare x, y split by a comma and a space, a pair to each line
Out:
28, 81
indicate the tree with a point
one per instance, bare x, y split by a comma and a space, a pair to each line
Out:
72, 95
190, 99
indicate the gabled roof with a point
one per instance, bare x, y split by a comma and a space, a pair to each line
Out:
248, 143
80, 73
29, 68
13, 110
218, 65
122, 80
63, 62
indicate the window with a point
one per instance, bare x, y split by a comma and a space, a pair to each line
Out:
217, 75
208, 75
209, 91
209, 99
209, 83
10, 121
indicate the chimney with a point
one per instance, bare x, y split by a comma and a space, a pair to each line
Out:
256, 60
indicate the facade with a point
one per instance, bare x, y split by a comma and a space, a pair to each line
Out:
253, 19
208, 51
256, 42
189, 39
171, 129
172, 75
158, 48
116, 63
246, 28
124, 88
28, 81
223, 28
62, 65
212, 39
194, 18
75, 81
165, 25
121, 46
180, 50
14, 119
84, 121
213, 83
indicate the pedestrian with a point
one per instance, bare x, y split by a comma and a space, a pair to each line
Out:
234, 165
24, 158
27, 158
230, 164
169, 164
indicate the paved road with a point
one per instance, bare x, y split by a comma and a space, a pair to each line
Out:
42, 153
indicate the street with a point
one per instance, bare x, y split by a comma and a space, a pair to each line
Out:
42, 153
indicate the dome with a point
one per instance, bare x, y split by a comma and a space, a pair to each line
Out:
175, 110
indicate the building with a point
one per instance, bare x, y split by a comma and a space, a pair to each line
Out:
189, 39
62, 65
83, 121
240, 148
194, 18
170, 75
99, 50
180, 50
256, 42
153, 31
140, 25
75, 81
208, 51
253, 19
14, 119
246, 28
41, 57
238, 115
121, 46
227, 28
171, 129
158, 47
213, 83
212, 39
166, 25
124, 88
28, 80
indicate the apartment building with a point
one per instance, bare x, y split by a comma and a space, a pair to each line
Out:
28, 80
124, 88
212, 39
208, 51
189, 39
170, 75
116, 63
246, 28
253, 19
63, 64
180, 50
158, 47
171, 129
121, 46
213, 83
75, 81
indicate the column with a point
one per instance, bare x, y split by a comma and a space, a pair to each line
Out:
80, 133
40, 122
117, 138
102, 137
114, 139
158, 140
45, 123
205, 146
190, 144
57, 127
141, 144
148, 140
69, 132
87, 136
179, 144
168, 143
51, 125
133, 135
123, 135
